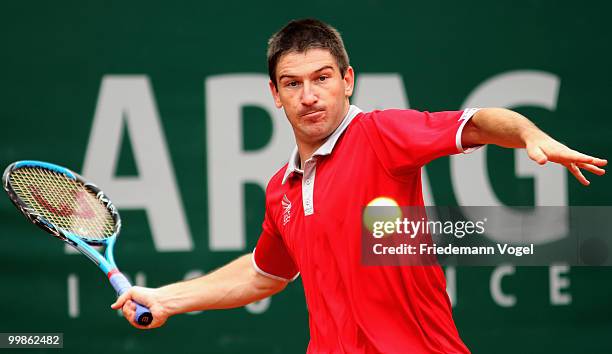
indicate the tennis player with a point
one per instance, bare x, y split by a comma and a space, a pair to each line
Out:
344, 158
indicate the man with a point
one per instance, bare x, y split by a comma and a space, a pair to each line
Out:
344, 159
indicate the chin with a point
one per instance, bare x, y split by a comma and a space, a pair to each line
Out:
317, 133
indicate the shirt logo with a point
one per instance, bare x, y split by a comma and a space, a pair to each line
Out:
286, 209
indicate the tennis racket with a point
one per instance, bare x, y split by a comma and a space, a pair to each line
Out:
65, 205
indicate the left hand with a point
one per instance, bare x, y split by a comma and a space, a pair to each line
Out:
542, 148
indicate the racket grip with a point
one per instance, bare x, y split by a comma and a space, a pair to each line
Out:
143, 315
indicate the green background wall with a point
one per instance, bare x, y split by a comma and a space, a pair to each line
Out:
53, 58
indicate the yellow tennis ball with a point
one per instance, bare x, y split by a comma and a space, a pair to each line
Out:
380, 210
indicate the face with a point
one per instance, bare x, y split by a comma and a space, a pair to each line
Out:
313, 93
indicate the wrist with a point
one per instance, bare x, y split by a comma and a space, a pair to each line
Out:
531, 134
167, 300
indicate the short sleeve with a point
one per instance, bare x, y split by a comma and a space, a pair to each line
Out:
271, 257
408, 139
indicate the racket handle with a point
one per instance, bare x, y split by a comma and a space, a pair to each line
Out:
143, 315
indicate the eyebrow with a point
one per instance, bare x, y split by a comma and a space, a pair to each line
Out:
284, 76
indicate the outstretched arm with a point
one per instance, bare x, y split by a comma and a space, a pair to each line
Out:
233, 285
510, 129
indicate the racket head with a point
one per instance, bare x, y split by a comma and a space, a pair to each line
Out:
61, 202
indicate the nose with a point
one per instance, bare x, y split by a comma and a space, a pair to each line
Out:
309, 96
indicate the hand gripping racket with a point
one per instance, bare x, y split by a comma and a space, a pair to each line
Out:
65, 205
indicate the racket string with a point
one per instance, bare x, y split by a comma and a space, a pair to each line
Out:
64, 202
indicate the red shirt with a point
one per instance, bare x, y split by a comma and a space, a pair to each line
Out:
312, 225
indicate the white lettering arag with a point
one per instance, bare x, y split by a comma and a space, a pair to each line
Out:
559, 282
229, 166
380, 91
469, 177
500, 298
259, 307
384, 91
130, 99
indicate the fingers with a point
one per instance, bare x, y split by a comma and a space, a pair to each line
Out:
572, 159
127, 307
536, 154
121, 300
592, 168
551, 150
574, 168
129, 312
577, 173
570, 155
144, 296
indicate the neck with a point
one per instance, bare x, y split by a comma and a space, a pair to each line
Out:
305, 150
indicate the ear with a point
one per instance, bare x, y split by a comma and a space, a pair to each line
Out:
349, 81
275, 94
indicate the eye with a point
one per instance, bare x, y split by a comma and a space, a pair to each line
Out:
322, 78
292, 84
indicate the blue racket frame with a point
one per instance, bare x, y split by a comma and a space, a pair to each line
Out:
84, 245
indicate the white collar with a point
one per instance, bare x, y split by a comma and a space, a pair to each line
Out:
294, 160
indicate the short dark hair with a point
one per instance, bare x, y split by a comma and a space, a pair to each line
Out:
302, 35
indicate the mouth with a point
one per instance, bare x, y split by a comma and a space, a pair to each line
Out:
313, 115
